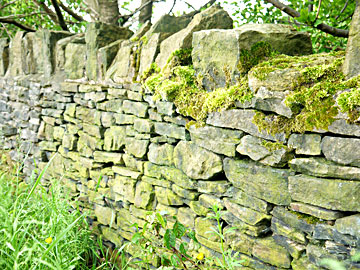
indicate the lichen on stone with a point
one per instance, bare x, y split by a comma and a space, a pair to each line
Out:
313, 98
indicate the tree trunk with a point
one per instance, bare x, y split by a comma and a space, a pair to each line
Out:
146, 12
106, 11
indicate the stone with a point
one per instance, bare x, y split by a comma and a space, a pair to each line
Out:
88, 115
345, 151
209, 201
165, 107
167, 196
138, 148
221, 49
161, 154
213, 17
114, 105
281, 228
292, 219
124, 119
203, 228
303, 264
239, 242
218, 140
295, 249
324, 168
186, 217
134, 95
331, 194
349, 225
133, 163
196, 162
341, 126
106, 157
245, 214
106, 55
328, 232
315, 211
263, 182
75, 57
213, 187
114, 138
123, 186
150, 49
185, 193
136, 108
253, 147
305, 144
198, 208
123, 171
93, 130
157, 182
60, 48
243, 122
99, 35
143, 125
4, 55
267, 250
245, 199
112, 236
58, 133
144, 195
168, 24
171, 130
49, 146
92, 142
105, 215
351, 66
171, 174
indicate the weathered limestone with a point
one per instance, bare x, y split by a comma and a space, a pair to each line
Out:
328, 193
75, 56
263, 182
4, 55
99, 35
195, 161
213, 17
351, 66
345, 151
218, 52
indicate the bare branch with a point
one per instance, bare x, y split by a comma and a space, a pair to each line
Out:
126, 17
189, 5
48, 11
59, 15
323, 27
20, 16
342, 10
318, 11
72, 13
174, 3
8, 4
6, 30
21, 26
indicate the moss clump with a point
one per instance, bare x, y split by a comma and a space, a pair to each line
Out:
312, 101
152, 69
349, 100
259, 52
182, 88
308, 218
273, 146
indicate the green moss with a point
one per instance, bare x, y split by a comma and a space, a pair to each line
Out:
259, 52
152, 69
182, 88
308, 218
273, 146
312, 100
349, 101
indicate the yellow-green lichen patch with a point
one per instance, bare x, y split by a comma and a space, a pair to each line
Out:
349, 101
273, 146
190, 98
308, 218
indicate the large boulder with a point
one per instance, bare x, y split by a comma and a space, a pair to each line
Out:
99, 35
351, 65
217, 53
213, 17
61, 47
4, 55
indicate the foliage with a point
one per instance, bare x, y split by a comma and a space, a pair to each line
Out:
249, 11
176, 244
229, 259
39, 230
172, 246
34, 16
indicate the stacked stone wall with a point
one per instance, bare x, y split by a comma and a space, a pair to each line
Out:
293, 200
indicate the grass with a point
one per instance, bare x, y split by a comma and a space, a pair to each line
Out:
39, 230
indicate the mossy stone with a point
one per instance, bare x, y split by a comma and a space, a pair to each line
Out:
161, 154
195, 161
114, 138
168, 197
144, 195
263, 182
105, 215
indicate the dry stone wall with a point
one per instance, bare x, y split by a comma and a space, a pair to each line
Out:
292, 205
